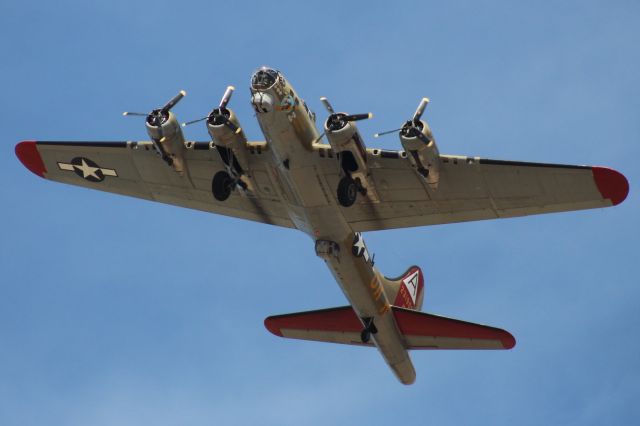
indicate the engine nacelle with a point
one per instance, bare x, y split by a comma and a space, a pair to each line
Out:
169, 140
229, 141
423, 155
346, 141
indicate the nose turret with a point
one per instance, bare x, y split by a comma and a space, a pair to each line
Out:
264, 78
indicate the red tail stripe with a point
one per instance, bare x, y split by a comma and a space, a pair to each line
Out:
403, 298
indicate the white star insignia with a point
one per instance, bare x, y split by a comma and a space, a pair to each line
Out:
87, 170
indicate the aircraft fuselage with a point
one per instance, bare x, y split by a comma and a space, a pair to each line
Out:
290, 130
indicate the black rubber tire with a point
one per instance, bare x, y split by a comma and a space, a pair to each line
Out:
221, 186
347, 191
365, 336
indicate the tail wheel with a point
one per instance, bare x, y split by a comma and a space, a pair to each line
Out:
221, 186
347, 191
368, 330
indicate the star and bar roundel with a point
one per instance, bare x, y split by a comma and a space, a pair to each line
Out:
87, 169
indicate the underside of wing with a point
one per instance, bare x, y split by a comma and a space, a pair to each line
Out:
419, 330
427, 331
134, 169
472, 188
334, 325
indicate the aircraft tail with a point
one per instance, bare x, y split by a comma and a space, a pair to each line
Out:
406, 291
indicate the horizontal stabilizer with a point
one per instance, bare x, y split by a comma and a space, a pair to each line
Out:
426, 331
418, 329
334, 325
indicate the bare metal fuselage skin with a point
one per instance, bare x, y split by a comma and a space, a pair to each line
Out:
290, 131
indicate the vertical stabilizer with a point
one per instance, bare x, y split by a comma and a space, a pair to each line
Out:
406, 291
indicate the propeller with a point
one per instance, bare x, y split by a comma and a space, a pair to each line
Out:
221, 114
337, 120
412, 128
156, 118
159, 116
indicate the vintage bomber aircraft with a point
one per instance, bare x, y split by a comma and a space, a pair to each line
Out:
332, 192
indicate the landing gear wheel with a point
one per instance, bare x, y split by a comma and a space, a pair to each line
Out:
369, 327
347, 191
365, 336
221, 185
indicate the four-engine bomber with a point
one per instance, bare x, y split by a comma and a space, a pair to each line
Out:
332, 192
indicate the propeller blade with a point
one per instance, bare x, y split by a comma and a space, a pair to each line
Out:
357, 117
327, 105
226, 97
194, 121
173, 101
417, 133
423, 104
230, 124
377, 135
126, 113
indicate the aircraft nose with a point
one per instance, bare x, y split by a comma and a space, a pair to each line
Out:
264, 78
262, 102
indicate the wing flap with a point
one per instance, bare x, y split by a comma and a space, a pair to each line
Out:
427, 331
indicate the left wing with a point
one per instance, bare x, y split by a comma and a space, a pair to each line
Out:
134, 169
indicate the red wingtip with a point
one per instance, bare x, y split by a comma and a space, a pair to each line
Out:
611, 184
271, 325
508, 341
28, 154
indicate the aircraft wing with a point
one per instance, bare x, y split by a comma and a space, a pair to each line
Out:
134, 169
472, 188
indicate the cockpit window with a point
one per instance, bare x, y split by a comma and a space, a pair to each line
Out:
264, 78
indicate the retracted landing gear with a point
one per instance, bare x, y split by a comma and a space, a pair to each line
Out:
369, 328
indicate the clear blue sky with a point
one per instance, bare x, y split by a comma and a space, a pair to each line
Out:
116, 311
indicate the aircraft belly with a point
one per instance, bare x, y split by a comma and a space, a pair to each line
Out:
309, 187
298, 173
361, 285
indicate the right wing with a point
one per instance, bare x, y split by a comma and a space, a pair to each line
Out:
472, 188
133, 169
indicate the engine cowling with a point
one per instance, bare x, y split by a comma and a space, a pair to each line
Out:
227, 139
422, 151
345, 137
346, 141
170, 139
